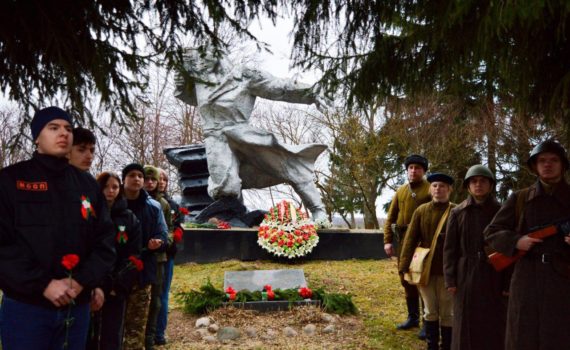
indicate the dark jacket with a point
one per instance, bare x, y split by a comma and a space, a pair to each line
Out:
128, 242
176, 221
44, 215
479, 308
539, 304
149, 213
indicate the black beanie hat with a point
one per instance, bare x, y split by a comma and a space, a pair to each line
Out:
46, 115
131, 167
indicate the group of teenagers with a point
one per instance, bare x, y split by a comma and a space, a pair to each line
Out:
468, 303
120, 231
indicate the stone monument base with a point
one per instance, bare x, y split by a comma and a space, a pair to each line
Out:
208, 245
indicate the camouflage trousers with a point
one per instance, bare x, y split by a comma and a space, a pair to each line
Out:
136, 318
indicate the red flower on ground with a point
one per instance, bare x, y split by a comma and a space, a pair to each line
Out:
305, 293
69, 261
177, 235
222, 225
183, 211
139, 265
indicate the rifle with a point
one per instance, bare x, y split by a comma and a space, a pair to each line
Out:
501, 261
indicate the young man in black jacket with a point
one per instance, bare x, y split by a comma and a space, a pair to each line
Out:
50, 210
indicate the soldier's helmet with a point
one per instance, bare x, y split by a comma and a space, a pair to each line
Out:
478, 170
548, 146
416, 159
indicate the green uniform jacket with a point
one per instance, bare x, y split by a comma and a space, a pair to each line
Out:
421, 232
403, 206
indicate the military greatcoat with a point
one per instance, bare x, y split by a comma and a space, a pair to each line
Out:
538, 314
479, 313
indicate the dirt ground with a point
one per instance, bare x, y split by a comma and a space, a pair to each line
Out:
348, 334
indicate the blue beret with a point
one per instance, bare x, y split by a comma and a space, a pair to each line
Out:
440, 177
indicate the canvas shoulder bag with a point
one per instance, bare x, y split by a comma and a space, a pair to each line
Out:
421, 257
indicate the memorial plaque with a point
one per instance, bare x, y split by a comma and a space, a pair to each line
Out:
255, 280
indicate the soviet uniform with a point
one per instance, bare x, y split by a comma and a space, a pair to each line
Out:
479, 313
438, 303
539, 302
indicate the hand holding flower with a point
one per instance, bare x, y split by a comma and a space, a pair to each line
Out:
154, 243
57, 292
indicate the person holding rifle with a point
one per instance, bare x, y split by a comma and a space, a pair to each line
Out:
539, 303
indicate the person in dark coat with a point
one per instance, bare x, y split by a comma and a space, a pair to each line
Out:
56, 242
108, 324
154, 238
538, 314
479, 306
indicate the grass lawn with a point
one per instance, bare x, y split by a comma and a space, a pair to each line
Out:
374, 285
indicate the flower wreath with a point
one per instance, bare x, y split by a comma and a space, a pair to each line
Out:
287, 231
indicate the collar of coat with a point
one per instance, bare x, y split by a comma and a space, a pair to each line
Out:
561, 192
470, 201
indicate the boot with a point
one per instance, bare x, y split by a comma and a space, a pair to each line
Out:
446, 338
413, 314
432, 335
422, 333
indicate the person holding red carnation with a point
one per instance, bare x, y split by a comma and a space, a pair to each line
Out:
108, 323
50, 210
154, 237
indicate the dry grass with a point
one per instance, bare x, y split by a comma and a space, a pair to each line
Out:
374, 285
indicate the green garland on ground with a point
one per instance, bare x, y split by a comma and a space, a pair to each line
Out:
208, 298
197, 225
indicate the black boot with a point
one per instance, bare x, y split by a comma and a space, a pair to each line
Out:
446, 338
432, 334
422, 333
413, 314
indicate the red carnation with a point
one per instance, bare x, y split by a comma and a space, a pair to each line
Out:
183, 211
232, 296
270, 295
305, 293
139, 265
267, 287
177, 235
280, 243
69, 261
222, 225
289, 244
230, 290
